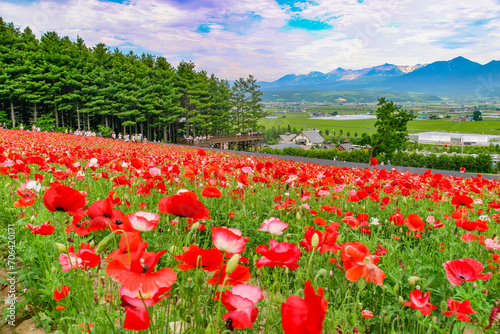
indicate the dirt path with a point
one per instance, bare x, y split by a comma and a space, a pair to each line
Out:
21, 325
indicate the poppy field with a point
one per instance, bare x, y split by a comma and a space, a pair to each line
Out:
103, 236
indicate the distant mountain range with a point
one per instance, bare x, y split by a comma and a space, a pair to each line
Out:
456, 77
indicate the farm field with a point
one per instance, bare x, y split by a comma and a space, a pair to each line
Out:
302, 120
103, 236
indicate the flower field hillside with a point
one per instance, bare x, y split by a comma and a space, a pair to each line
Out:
103, 236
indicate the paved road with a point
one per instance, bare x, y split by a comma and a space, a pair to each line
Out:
354, 164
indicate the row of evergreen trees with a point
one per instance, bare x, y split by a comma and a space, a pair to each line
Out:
59, 82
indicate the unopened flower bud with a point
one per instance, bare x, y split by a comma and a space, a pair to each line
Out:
53, 270
195, 226
401, 300
315, 241
232, 263
172, 249
92, 244
396, 288
443, 306
474, 285
62, 248
322, 272
298, 216
104, 243
413, 280
387, 319
32, 219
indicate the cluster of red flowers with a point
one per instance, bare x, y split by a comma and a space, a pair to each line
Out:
310, 191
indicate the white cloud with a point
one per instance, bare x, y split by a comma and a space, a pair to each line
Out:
403, 32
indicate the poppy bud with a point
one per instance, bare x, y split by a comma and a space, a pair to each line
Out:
91, 243
417, 287
413, 280
419, 315
400, 230
53, 270
298, 216
401, 301
474, 285
314, 241
232, 263
387, 319
210, 329
396, 288
199, 277
172, 249
62, 248
195, 226
288, 235
104, 243
32, 219
322, 272
443, 306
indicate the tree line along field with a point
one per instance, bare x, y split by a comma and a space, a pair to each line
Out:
303, 121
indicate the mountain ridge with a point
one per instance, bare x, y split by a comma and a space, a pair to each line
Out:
458, 76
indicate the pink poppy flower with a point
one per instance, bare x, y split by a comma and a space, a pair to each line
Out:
141, 221
274, 226
461, 270
227, 241
240, 301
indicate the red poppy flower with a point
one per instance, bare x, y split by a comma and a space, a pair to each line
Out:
211, 192
458, 271
84, 258
461, 309
136, 302
304, 316
129, 244
139, 275
373, 162
468, 237
227, 241
462, 200
194, 257
494, 315
63, 198
279, 254
43, 229
240, 275
86, 328
183, 204
27, 197
420, 302
240, 301
397, 218
307, 242
415, 223
61, 292
329, 238
359, 262
319, 221
367, 314
136, 319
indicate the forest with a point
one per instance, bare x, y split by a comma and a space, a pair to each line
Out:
57, 83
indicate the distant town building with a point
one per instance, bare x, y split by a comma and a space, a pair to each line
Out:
309, 138
286, 138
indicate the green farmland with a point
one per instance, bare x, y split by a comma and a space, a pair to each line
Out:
303, 121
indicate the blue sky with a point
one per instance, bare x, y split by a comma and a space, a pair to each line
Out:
272, 38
